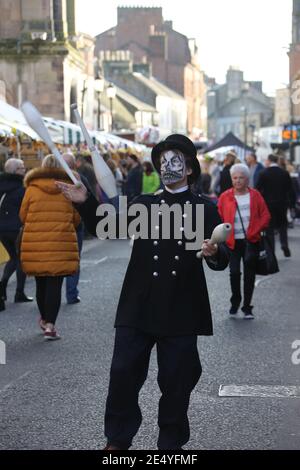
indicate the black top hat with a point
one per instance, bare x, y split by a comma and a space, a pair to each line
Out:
177, 142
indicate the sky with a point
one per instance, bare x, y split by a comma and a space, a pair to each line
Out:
252, 35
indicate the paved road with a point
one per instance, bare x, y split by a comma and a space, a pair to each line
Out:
52, 395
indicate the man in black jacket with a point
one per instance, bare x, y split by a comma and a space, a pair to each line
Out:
275, 185
11, 196
225, 177
164, 302
133, 185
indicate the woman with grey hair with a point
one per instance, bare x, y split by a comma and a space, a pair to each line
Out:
245, 209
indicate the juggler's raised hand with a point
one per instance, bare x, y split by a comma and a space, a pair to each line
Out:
75, 193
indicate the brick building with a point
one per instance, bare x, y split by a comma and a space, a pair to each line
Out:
42, 59
294, 55
160, 50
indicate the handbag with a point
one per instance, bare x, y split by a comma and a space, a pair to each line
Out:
251, 249
266, 263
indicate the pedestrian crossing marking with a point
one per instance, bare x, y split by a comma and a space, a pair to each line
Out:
260, 391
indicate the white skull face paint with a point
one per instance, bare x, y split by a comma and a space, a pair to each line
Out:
172, 167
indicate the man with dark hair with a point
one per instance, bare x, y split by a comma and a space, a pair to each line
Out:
72, 281
225, 177
164, 302
255, 168
134, 182
85, 169
275, 185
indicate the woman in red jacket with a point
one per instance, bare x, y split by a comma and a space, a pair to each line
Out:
245, 209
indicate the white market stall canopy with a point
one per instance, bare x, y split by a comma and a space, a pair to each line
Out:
13, 118
63, 132
5, 131
12, 121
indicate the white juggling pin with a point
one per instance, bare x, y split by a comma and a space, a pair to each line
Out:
103, 173
220, 234
35, 121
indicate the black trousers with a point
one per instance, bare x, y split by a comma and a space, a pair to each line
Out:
8, 240
48, 296
278, 222
179, 370
236, 256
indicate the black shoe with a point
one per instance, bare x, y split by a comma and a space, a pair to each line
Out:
248, 313
249, 316
109, 447
286, 252
2, 305
75, 301
3, 285
21, 297
233, 311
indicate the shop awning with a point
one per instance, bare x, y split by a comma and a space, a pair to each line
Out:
17, 127
14, 118
5, 131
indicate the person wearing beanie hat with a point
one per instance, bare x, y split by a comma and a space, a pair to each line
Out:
164, 302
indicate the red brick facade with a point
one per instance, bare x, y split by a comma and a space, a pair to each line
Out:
149, 38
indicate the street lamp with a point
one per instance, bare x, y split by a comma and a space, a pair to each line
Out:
99, 87
212, 114
111, 94
83, 92
245, 90
244, 111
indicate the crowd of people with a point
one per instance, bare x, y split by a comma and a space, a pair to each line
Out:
251, 196
43, 216
43, 234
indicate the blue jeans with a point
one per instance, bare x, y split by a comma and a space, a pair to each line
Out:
72, 281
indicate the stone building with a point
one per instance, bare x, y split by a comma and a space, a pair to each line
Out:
282, 107
160, 51
43, 60
238, 106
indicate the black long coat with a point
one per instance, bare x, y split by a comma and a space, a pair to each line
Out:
164, 292
275, 184
12, 186
133, 185
225, 179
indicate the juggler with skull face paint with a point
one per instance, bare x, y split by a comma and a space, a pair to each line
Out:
172, 167
163, 302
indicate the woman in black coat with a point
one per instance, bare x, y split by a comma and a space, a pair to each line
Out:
11, 196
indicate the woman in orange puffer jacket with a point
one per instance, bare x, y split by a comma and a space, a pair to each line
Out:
49, 248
